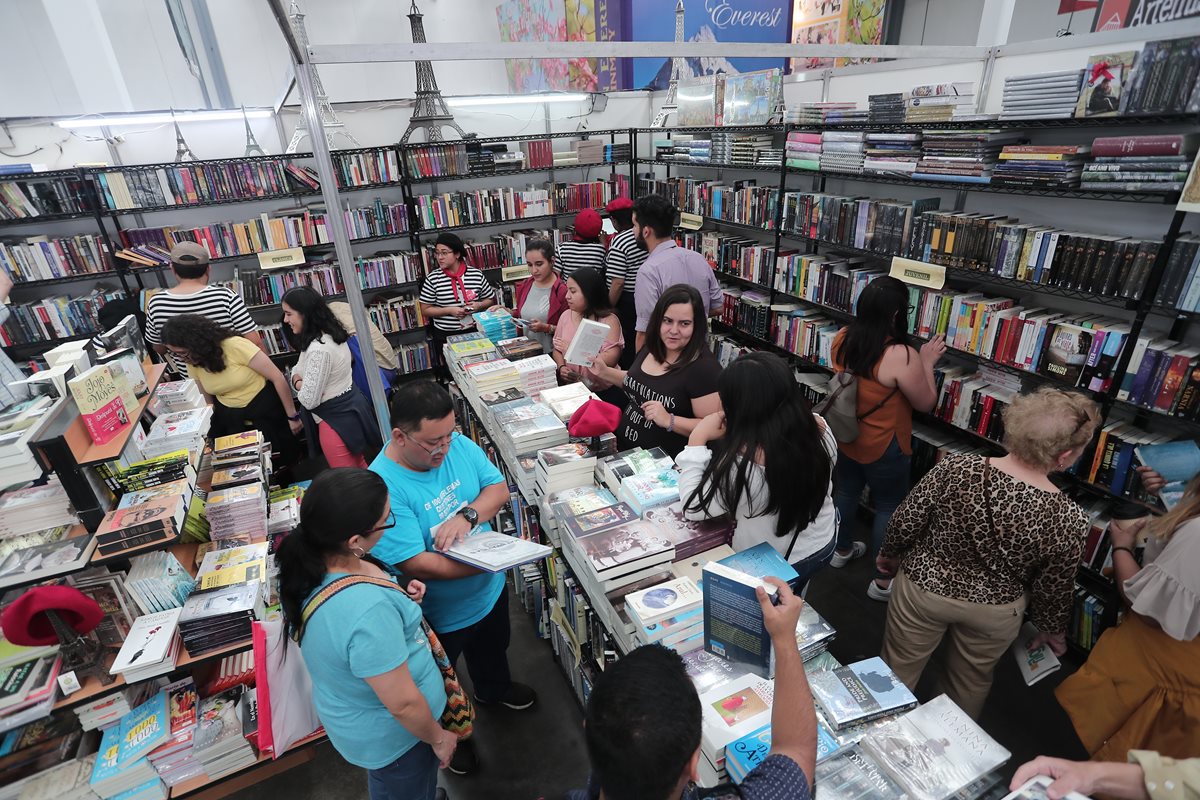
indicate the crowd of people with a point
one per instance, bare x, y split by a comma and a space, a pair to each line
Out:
961, 559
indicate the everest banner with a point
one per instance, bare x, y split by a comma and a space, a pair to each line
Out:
705, 21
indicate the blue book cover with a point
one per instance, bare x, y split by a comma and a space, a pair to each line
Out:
752, 749
1142, 379
144, 728
761, 561
108, 764
860, 692
1178, 462
733, 621
149, 789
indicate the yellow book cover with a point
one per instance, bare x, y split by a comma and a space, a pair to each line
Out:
233, 566
237, 441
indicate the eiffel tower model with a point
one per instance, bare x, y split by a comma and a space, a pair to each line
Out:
430, 110
329, 120
252, 146
668, 106
182, 151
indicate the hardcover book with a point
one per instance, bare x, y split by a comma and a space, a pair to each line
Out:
1104, 84
149, 641
862, 691
492, 551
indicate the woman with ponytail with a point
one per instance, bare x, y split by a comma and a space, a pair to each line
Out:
376, 686
774, 467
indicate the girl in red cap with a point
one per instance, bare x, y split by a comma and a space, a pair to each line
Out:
585, 250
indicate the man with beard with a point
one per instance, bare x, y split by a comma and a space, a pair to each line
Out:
667, 263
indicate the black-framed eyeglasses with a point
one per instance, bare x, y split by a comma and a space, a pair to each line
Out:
391, 523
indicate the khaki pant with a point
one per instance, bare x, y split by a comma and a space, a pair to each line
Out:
979, 636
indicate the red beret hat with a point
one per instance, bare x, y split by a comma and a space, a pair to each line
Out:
618, 204
594, 418
25, 623
588, 223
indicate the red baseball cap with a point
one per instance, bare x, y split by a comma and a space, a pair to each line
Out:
594, 418
618, 204
588, 223
25, 622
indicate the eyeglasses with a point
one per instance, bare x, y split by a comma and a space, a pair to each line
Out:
391, 523
437, 449
182, 355
443, 252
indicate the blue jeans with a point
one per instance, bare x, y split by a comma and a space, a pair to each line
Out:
412, 776
811, 565
888, 480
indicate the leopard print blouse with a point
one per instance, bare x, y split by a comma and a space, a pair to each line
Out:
947, 546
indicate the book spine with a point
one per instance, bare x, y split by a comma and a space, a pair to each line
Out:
1164, 145
123, 545
133, 532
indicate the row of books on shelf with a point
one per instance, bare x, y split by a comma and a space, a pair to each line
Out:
452, 209
28, 196
58, 317
259, 288
192, 184
38, 258
469, 158
744, 202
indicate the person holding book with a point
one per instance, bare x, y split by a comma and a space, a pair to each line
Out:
672, 384
375, 683
621, 264
442, 487
452, 292
976, 537
1146, 775
1139, 688
192, 294
541, 298
324, 381
247, 390
584, 249
642, 725
767, 431
667, 264
893, 379
587, 299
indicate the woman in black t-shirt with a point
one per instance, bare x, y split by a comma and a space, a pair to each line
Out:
672, 383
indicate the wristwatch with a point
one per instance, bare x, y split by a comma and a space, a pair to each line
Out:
471, 515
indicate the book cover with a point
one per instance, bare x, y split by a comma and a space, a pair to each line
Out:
614, 550
860, 692
1038, 788
217, 722
761, 561
1178, 462
854, 775
733, 621
601, 519
162, 514
732, 710
664, 601
100, 404
708, 671
108, 764
1066, 352
1104, 83
934, 750
1035, 663
492, 551
144, 728
149, 641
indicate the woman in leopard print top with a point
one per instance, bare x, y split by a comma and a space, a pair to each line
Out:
978, 538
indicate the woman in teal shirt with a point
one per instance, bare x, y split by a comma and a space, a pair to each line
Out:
376, 686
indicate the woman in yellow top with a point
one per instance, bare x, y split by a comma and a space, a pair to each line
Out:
247, 390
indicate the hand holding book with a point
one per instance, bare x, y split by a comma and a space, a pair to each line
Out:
781, 612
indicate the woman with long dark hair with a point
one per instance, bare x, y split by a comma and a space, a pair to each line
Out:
376, 686
541, 298
672, 384
774, 469
587, 298
247, 389
324, 380
893, 379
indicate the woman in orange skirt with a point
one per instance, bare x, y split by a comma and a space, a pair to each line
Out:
1140, 688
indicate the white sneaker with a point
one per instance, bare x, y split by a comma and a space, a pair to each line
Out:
856, 551
877, 592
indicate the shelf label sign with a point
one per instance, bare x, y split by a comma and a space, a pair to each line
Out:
918, 273
690, 222
278, 259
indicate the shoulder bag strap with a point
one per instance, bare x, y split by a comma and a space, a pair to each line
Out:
880, 404
332, 588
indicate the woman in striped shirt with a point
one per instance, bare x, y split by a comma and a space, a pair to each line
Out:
585, 250
453, 292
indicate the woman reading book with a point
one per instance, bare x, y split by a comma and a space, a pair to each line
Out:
247, 390
587, 299
376, 686
541, 298
774, 468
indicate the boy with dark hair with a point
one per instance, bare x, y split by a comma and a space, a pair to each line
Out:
667, 263
643, 724
443, 486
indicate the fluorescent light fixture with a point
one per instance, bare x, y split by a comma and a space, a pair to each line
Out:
516, 99
160, 118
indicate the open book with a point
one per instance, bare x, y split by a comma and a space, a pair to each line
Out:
495, 552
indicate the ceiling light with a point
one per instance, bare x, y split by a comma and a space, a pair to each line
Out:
161, 118
516, 99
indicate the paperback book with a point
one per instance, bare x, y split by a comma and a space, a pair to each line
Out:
860, 692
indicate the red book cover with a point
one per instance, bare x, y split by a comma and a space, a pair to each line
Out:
106, 422
985, 414
1170, 144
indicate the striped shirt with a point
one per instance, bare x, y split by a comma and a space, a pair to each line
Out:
440, 290
220, 304
623, 260
576, 255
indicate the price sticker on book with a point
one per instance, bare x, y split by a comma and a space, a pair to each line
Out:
918, 273
278, 259
68, 683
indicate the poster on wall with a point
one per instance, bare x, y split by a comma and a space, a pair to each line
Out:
1117, 14
705, 21
816, 22
752, 97
561, 21
864, 25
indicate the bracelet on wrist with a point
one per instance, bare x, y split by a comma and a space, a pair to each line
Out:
671, 425
1126, 549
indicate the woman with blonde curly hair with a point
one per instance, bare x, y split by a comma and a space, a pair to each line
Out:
977, 536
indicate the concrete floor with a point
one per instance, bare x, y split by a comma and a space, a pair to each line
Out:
540, 753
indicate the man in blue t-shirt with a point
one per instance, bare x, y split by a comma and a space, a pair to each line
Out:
643, 724
442, 486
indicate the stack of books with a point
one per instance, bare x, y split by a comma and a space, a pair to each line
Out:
67, 780
886, 109
519, 348
173, 396
566, 400
1140, 163
138, 526
151, 648
589, 151
529, 426
221, 617
28, 688
283, 515
1047, 95
218, 743
690, 537
19, 424
818, 113
618, 553
556, 507
650, 490
616, 153
803, 150
496, 325
493, 376
238, 513
731, 710
536, 374
564, 467
842, 151
35, 508
242, 449
111, 777
961, 156
177, 430
892, 153
158, 582
1040, 166
939, 102
668, 614
238, 475
149, 472
614, 469
470, 348
813, 633
173, 760
108, 709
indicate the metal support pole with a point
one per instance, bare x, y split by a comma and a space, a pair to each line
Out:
985, 80
826, 75
341, 245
